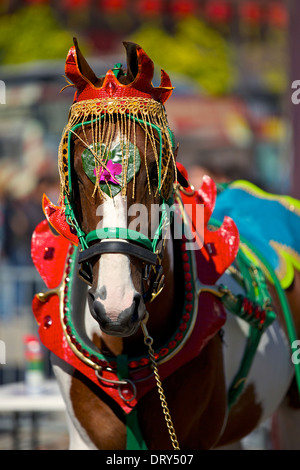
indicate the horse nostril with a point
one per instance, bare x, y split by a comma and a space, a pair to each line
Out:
99, 309
91, 295
91, 299
136, 299
96, 308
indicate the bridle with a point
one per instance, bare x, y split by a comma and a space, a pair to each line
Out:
122, 240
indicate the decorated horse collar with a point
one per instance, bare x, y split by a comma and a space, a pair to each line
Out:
101, 362
56, 316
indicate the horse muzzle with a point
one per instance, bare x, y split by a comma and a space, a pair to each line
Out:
123, 324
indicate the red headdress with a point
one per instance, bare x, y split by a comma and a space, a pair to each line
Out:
136, 83
120, 92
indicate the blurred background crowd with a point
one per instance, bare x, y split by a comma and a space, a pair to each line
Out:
231, 63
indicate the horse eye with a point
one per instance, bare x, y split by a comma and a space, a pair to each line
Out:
153, 175
79, 180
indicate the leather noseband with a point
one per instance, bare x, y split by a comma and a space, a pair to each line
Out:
118, 246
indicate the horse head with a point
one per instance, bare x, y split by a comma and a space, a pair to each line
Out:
117, 163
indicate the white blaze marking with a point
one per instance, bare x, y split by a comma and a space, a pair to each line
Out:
115, 288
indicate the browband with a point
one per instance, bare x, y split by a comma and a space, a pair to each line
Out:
118, 246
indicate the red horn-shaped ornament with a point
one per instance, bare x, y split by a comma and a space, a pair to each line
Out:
89, 86
56, 217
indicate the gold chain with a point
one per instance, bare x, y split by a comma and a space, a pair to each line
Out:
148, 341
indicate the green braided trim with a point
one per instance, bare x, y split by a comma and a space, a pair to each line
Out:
256, 309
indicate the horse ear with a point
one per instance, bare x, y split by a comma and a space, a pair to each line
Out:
140, 71
77, 68
132, 60
84, 67
138, 65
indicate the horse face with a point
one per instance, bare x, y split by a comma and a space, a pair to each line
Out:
116, 297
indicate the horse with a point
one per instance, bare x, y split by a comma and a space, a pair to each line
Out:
166, 330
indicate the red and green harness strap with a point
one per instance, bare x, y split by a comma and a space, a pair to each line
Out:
134, 437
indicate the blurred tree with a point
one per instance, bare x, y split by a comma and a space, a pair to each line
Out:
32, 33
195, 50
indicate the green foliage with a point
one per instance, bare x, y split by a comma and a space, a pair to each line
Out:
195, 50
32, 33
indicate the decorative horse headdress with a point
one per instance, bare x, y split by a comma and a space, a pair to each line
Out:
125, 98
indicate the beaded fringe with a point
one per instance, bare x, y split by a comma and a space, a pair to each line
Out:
117, 116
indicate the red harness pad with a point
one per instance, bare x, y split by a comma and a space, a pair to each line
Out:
48, 253
219, 247
47, 315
